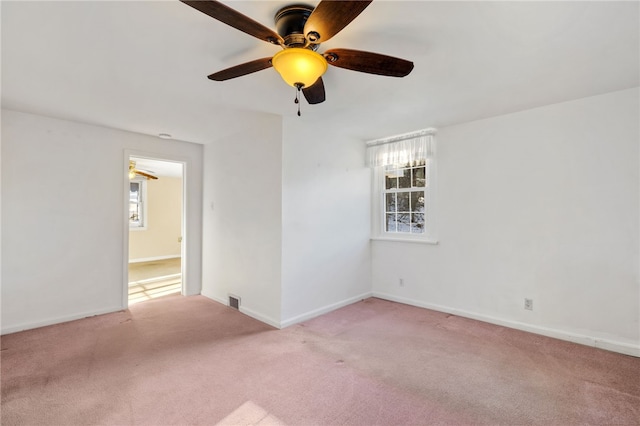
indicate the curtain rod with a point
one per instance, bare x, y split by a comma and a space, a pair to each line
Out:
404, 136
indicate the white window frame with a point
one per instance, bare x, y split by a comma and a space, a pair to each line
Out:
143, 204
378, 231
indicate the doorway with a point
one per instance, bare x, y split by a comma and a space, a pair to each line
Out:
156, 226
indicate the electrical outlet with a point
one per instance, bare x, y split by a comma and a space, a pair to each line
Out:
401, 282
528, 304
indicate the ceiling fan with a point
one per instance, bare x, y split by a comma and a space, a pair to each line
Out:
300, 30
133, 172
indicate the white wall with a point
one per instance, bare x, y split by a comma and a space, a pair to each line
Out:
161, 236
326, 260
63, 220
286, 221
242, 222
542, 204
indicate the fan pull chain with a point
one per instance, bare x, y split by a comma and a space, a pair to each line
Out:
297, 100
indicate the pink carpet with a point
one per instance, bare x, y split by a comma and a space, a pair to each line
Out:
188, 360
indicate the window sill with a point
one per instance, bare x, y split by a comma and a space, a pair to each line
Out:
406, 240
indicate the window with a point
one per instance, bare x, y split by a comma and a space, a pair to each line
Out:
404, 187
404, 195
137, 201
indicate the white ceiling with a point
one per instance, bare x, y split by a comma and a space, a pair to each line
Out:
142, 66
158, 167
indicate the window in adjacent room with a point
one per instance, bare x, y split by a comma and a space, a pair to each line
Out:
404, 186
137, 204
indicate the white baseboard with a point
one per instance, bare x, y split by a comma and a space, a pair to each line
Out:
247, 311
152, 259
610, 345
262, 318
297, 319
324, 310
57, 320
215, 299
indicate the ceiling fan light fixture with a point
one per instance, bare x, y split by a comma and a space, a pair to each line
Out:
299, 66
132, 169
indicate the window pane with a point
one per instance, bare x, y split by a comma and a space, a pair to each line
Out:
404, 180
417, 223
418, 179
390, 223
403, 222
134, 192
403, 202
417, 201
135, 204
134, 213
390, 204
390, 181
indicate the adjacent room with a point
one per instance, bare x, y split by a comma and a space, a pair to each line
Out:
155, 229
436, 222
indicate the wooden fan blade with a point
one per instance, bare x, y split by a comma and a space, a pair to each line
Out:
331, 16
147, 175
315, 93
242, 69
369, 62
233, 18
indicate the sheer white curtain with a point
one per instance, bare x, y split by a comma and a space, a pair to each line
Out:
410, 148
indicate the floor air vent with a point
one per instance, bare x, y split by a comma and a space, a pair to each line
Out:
234, 302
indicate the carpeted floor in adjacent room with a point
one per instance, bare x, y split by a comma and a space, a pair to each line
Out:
189, 360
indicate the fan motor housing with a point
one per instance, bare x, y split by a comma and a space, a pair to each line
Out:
290, 22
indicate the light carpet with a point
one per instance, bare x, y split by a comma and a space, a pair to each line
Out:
189, 360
